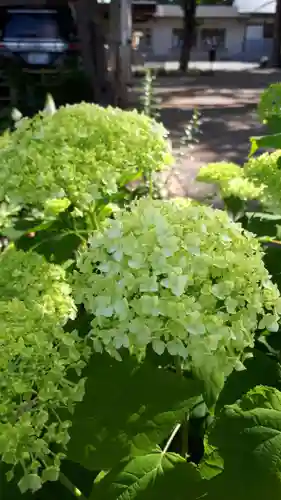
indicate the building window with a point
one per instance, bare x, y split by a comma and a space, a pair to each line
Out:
217, 34
268, 29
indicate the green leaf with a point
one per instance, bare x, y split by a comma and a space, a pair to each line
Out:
261, 224
273, 123
56, 248
30, 482
50, 474
212, 464
153, 476
272, 260
128, 409
264, 216
248, 436
272, 141
212, 384
261, 369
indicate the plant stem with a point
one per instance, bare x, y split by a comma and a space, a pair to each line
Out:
93, 219
150, 186
178, 366
184, 437
171, 438
70, 487
184, 424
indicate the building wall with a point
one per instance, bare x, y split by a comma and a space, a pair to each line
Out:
256, 45
244, 38
162, 35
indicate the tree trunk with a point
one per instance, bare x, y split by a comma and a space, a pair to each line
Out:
89, 26
120, 29
189, 29
98, 41
276, 52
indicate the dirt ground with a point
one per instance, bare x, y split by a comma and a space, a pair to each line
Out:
227, 102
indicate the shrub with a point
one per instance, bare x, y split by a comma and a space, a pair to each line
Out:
36, 356
177, 292
230, 179
264, 172
82, 152
181, 277
259, 179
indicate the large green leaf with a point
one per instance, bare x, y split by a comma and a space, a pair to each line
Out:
261, 223
273, 123
56, 241
260, 370
128, 409
213, 383
272, 141
212, 464
154, 476
248, 436
272, 260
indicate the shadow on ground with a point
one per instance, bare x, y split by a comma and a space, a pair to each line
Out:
225, 131
227, 102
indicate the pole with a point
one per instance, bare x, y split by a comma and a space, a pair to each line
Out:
276, 52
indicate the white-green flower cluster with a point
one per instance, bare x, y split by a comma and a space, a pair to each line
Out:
230, 179
264, 172
7, 213
259, 179
81, 153
36, 355
180, 277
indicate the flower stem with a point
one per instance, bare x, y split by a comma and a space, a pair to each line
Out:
71, 487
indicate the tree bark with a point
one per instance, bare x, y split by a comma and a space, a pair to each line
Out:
276, 52
189, 29
89, 26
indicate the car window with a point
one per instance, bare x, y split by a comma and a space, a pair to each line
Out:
31, 26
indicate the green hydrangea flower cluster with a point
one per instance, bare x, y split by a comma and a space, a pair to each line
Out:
8, 211
264, 172
81, 152
230, 179
36, 355
180, 277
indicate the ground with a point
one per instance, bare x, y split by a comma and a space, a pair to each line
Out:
227, 101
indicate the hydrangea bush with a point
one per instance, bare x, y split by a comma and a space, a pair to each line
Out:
82, 152
175, 291
259, 179
230, 179
264, 172
36, 356
179, 277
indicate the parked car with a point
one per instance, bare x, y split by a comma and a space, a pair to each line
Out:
38, 38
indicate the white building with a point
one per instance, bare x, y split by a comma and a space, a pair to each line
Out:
244, 30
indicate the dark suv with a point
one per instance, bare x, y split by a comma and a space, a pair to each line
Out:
38, 38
